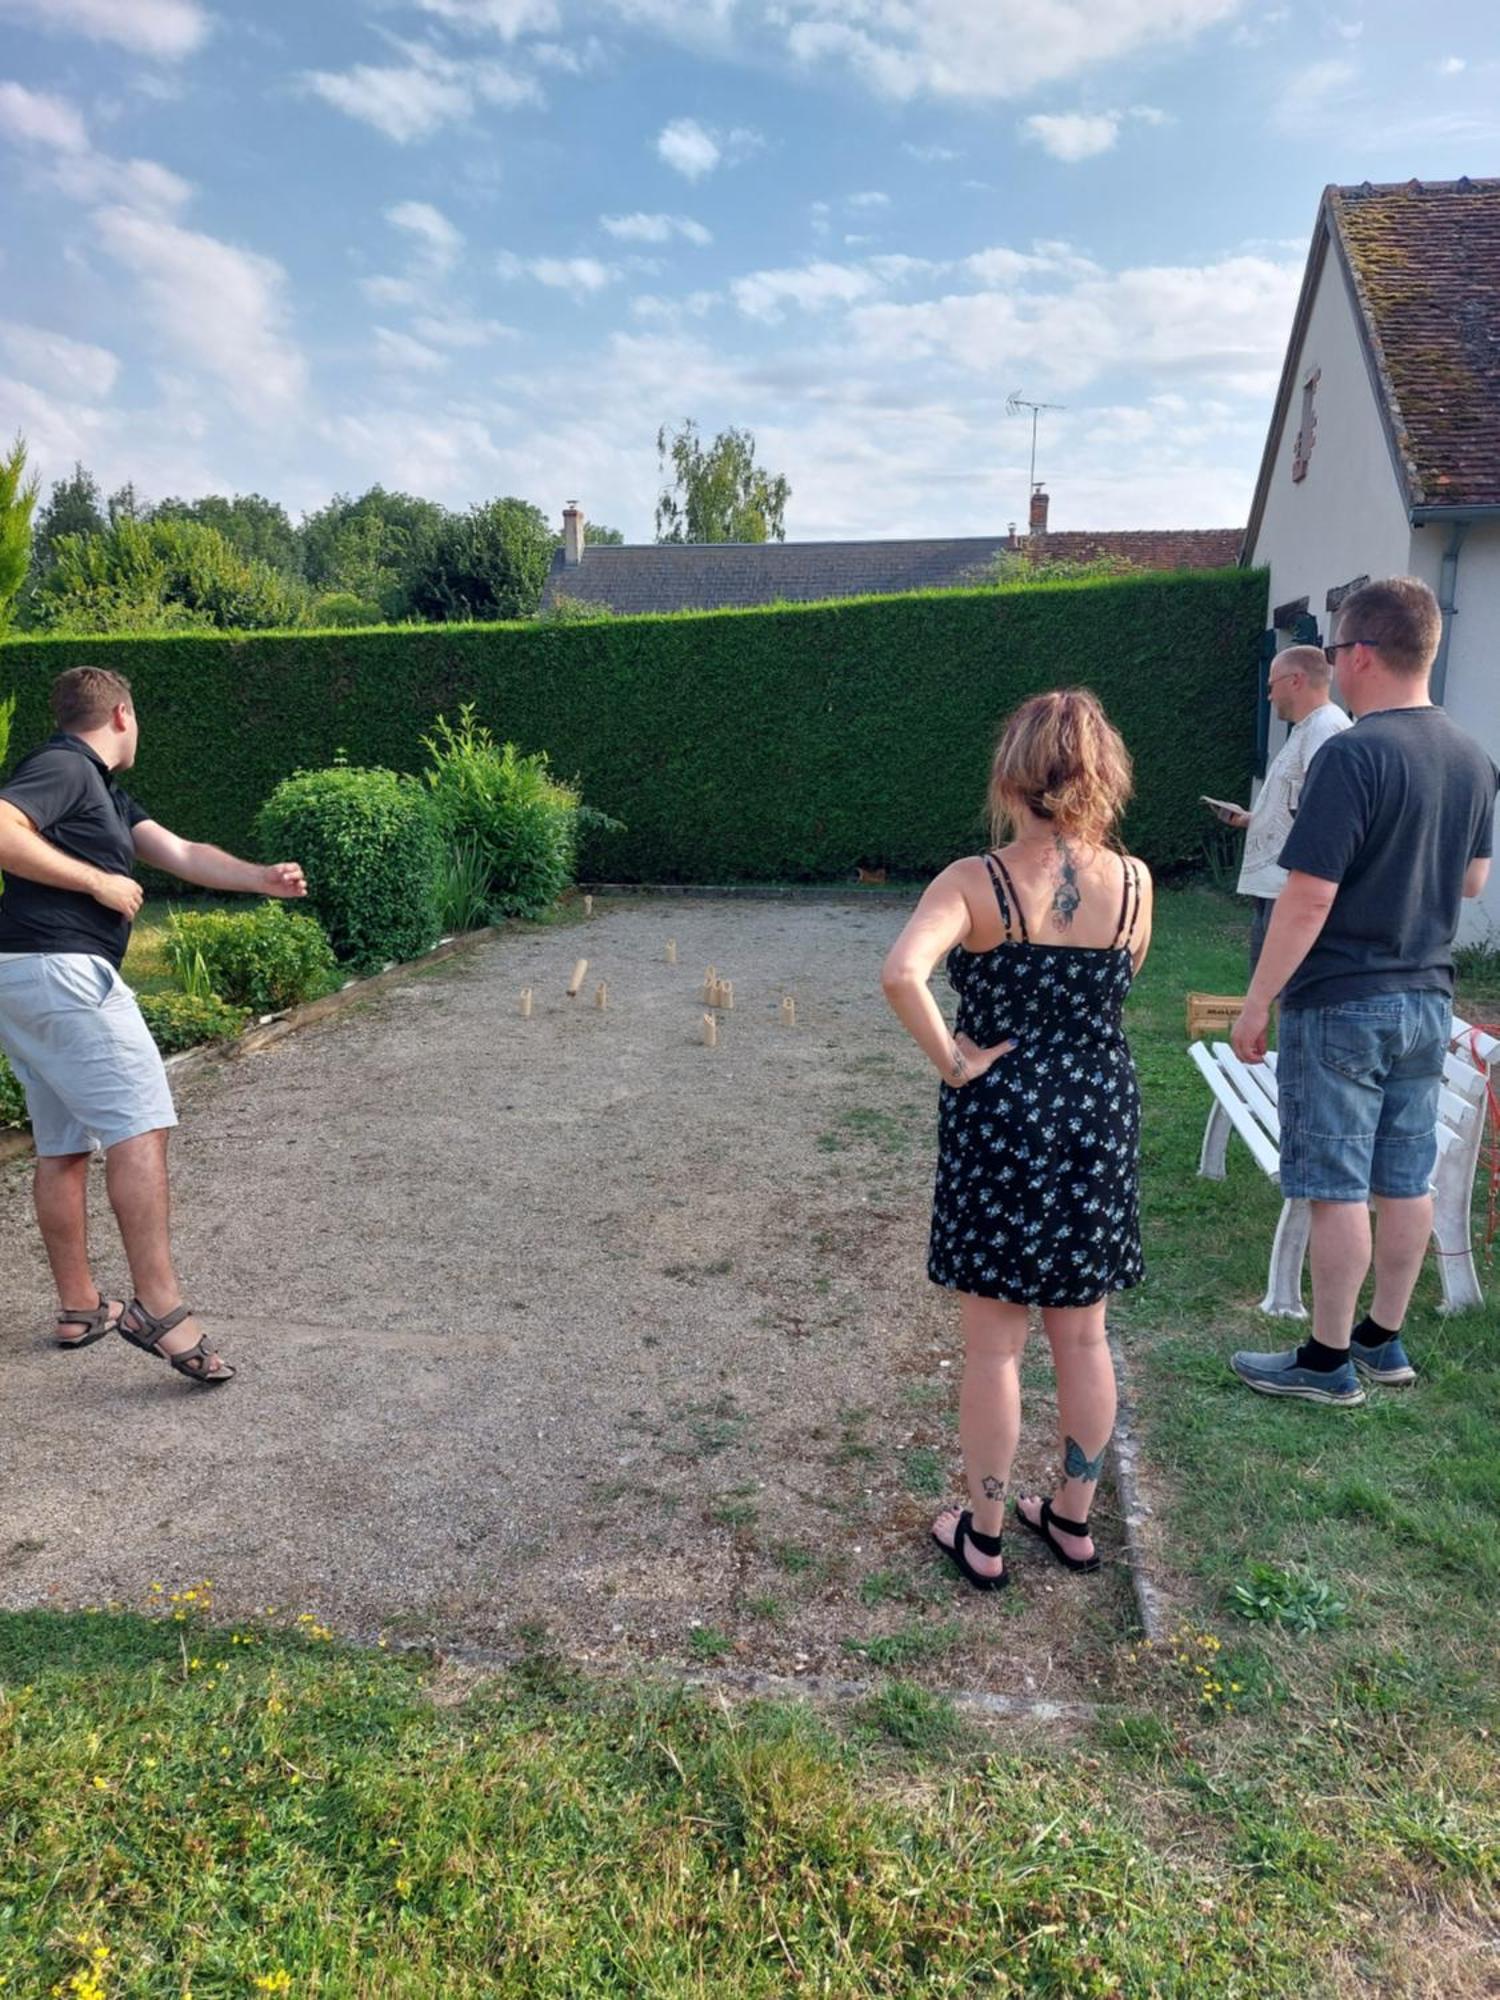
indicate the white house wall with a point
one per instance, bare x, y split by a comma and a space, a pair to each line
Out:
1472, 692
1347, 518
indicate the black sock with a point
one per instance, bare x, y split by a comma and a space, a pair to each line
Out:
1369, 1333
1323, 1360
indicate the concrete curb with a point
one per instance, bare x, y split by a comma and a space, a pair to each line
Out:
751, 1681
188, 1063
757, 892
1135, 1510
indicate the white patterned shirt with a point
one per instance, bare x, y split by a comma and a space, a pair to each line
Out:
1280, 793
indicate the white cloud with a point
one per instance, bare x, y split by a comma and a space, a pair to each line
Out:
1451, 66
949, 48
764, 295
223, 308
460, 330
53, 361
438, 241
400, 351
1073, 135
506, 18
391, 291
870, 198
141, 184
929, 155
168, 29
580, 275
1308, 93
687, 148
31, 117
640, 228
1253, 34
426, 92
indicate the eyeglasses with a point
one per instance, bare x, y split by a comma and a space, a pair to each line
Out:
1331, 653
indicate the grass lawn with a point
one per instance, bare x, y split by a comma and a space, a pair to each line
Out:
1297, 1797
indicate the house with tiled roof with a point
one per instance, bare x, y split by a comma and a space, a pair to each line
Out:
714, 576
1383, 456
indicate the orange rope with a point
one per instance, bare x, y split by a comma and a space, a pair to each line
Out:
1491, 1143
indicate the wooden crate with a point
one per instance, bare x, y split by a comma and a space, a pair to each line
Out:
1212, 1014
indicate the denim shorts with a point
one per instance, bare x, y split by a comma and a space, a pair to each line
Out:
1357, 1088
81, 1052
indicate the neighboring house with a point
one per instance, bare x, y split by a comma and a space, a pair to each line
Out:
710, 576
1384, 451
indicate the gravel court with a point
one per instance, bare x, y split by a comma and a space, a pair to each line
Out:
565, 1327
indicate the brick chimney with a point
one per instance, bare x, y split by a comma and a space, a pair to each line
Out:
1039, 514
573, 532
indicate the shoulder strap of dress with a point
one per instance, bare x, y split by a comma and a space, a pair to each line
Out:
1005, 895
1130, 906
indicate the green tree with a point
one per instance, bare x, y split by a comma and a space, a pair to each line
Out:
75, 507
1015, 566
488, 563
597, 536
372, 546
257, 527
718, 492
125, 504
142, 576
17, 505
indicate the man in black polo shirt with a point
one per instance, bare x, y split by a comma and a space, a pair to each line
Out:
1393, 831
69, 839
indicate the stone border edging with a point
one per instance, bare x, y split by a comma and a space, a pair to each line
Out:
1135, 1511
193, 1062
763, 892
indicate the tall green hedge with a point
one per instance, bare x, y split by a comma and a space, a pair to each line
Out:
751, 745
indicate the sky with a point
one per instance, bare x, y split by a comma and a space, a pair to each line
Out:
467, 248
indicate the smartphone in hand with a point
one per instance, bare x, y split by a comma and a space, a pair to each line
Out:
1222, 809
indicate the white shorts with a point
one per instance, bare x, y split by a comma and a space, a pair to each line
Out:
81, 1052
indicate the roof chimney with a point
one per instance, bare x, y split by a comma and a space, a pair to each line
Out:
573, 533
1039, 512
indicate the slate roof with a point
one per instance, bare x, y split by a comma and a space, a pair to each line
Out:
1425, 264
710, 576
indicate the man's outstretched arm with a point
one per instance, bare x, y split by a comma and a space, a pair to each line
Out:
211, 868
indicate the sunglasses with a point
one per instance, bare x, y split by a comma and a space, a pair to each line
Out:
1331, 653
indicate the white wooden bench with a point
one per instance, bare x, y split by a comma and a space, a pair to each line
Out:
1245, 1102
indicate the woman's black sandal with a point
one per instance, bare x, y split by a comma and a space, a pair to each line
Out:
96, 1324
987, 1545
1042, 1529
147, 1334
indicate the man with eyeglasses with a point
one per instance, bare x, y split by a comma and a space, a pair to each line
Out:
1394, 830
1297, 689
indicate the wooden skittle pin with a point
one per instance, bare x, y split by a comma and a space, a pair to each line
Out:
710, 1032
671, 951
788, 1012
601, 996
577, 980
588, 906
525, 1003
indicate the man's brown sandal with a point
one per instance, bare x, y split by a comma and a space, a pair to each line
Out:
147, 1333
95, 1324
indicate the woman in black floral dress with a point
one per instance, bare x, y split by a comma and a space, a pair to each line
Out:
1038, 1126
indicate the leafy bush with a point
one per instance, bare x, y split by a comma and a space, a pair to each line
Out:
491, 562
12, 1098
178, 1021
372, 853
265, 959
343, 608
522, 819
153, 575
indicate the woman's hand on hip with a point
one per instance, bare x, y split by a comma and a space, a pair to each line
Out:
972, 1061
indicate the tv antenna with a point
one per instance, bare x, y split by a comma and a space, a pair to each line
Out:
1014, 405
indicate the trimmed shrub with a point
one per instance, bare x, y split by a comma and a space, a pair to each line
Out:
371, 851
523, 822
178, 1021
12, 1098
265, 959
738, 745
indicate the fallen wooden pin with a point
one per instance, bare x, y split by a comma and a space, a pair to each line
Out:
710, 1032
601, 996
525, 1003
788, 1012
577, 980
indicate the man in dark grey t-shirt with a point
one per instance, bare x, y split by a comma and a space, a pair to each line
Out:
1393, 831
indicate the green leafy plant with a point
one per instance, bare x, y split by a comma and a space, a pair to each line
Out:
372, 853
464, 885
1290, 1597
523, 821
178, 1021
265, 959
17, 505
